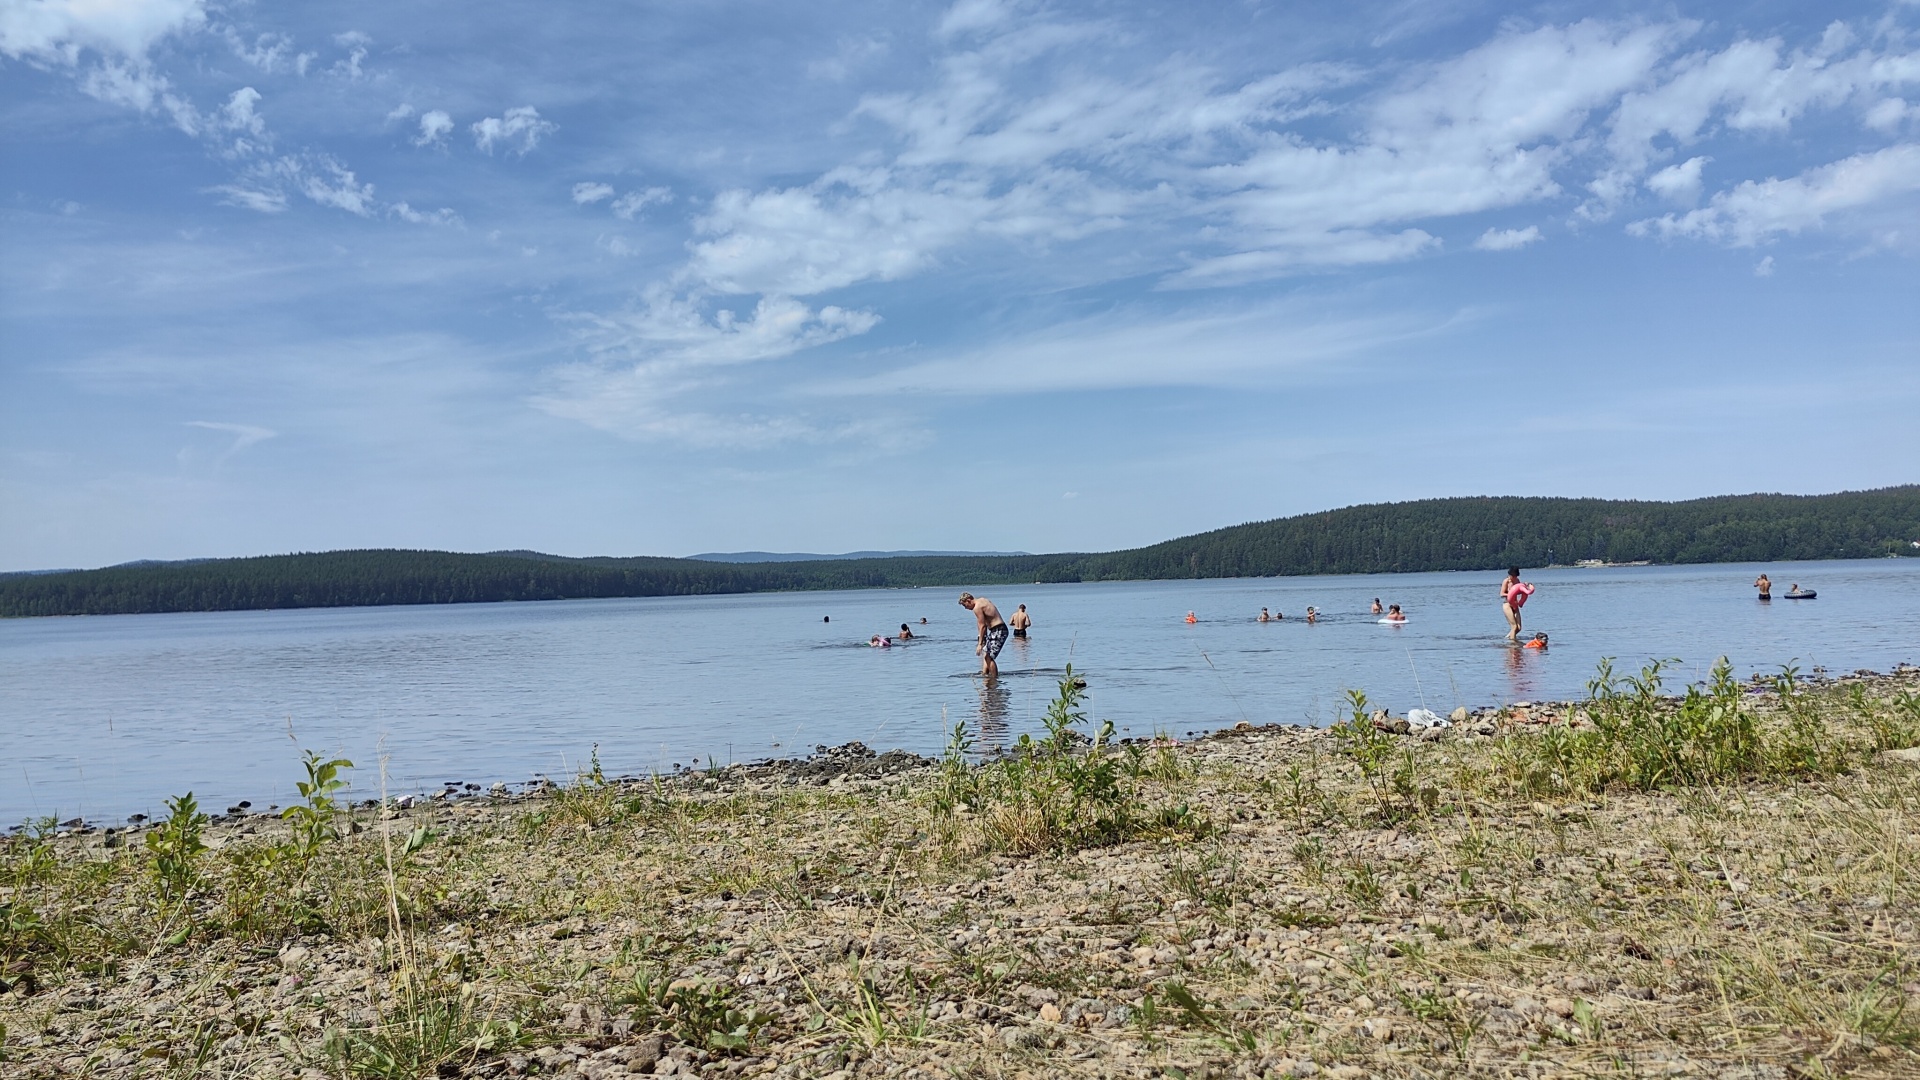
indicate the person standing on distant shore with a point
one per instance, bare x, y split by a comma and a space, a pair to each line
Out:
1765, 586
993, 632
1020, 621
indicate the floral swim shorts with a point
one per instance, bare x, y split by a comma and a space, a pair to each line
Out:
995, 640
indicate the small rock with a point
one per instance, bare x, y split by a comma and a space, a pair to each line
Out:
1050, 1013
641, 1056
1560, 1006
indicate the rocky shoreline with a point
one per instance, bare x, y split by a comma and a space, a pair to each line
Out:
832, 916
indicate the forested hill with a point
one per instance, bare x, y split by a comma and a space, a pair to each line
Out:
1491, 532
1434, 534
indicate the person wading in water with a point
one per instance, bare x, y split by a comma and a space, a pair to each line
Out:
993, 632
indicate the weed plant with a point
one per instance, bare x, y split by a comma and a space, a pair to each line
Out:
1715, 734
1059, 793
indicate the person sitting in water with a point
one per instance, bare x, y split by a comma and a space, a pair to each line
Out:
1264, 617
1313, 615
1192, 618
1539, 642
906, 633
1394, 614
1020, 621
878, 642
1376, 606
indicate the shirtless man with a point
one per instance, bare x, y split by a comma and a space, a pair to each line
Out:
993, 632
1765, 586
1020, 621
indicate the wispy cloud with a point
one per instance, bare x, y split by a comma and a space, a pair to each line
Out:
1754, 211
1132, 348
244, 435
518, 131
1508, 239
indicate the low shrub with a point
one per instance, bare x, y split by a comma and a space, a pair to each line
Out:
1062, 792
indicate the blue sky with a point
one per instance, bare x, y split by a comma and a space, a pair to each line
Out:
662, 278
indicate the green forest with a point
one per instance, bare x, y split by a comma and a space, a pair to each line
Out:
1433, 534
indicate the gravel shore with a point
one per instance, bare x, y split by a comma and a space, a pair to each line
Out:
836, 918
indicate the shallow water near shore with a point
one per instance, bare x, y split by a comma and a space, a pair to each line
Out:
103, 717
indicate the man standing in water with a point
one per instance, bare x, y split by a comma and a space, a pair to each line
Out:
1020, 621
1765, 586
993, 632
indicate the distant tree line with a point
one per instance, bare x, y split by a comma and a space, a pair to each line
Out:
1433, 534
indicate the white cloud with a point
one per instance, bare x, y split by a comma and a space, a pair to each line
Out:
399, 112
1750, 86
1678, 183
655, 354
244, 435
630, 204
268, 52
262, 200
1754, 211
406, 213
238, 118
60, 29
1483, 131
356, 43
588, 193
519, 130
1888, 114
1508, 239
974, 16
1764, 268
435, 126
1131, 349
134, 84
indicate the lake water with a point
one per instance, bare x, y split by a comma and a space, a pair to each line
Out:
102, 717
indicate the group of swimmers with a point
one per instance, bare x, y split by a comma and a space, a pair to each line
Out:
1391, 612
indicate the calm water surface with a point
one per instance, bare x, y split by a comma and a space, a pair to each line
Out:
102, 717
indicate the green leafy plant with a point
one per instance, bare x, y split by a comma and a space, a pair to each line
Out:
175, 846
314, 821
1392, 775
699, 1011
1062, 792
